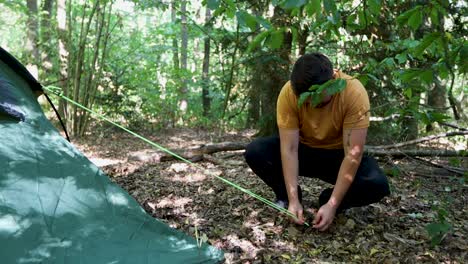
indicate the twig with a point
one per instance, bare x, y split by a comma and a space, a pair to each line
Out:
459, 171
419, 140
414, 152
453, 126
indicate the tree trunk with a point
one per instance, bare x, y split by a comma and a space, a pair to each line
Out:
183, 103
78, 90
278, 74
302, 40
102, 63
436, 98
89, 84
175, 45
63, 52
229, 84
46, 50
206, 67
32, 40
254, 103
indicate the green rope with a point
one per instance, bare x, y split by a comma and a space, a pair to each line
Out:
58, 92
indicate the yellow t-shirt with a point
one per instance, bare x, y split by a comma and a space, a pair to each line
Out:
322, 127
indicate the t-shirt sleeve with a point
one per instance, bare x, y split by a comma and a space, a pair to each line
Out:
357, 107
286, 108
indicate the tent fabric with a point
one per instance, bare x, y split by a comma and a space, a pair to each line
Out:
58, 207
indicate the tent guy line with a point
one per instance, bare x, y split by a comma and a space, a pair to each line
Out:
58, 92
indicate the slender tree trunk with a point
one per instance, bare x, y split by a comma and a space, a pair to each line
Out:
206, 67
230, 82
80, 60
88, 88
302, 40
102, 63
175, 45
46, 25
254, 103
183, 103
32, 39
63, 52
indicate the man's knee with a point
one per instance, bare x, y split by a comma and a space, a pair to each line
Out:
252, 151
376, 178
261, 148
382, 187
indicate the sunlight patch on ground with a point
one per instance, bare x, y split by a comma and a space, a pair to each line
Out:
189, 178
185, 174
104, 162
243, 244
173, 201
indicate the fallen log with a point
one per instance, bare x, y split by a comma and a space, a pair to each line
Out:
195, 154
192, 154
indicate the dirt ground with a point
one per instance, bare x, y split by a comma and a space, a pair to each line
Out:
248, 231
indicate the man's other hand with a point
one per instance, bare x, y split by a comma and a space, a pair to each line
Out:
324, 217
296, 209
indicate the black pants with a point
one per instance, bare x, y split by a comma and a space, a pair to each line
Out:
369, 186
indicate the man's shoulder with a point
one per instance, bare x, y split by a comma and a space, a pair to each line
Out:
287, 92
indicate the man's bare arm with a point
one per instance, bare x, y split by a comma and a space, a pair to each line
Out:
353, 143
289, 139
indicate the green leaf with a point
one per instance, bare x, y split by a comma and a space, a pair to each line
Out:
364, 79
329, 6
437, 231
374, 6
213, 4
302, 98
408, 75
427, 76
390, 62
403, 18
258, 40
415, 20
276, 38
313, 7
230, 8
246, 20
435, 16
290, 4
336, 86
408, 92
373, 77
425, 43
402, 57
263, 22
316, 98
331, 87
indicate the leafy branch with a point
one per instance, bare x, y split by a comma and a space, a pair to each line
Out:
316, 93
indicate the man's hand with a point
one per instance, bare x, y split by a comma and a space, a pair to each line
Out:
296, 209
324, 217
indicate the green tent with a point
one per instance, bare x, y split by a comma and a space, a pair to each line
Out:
58, 207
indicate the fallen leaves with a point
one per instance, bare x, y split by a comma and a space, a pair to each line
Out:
392, 231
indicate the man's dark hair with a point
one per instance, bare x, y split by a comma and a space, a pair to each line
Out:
310, 69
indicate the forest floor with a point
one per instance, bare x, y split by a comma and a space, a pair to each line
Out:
249, 231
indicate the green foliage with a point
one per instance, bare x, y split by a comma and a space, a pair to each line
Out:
398, 50
438, 229
318, 92
213, 4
